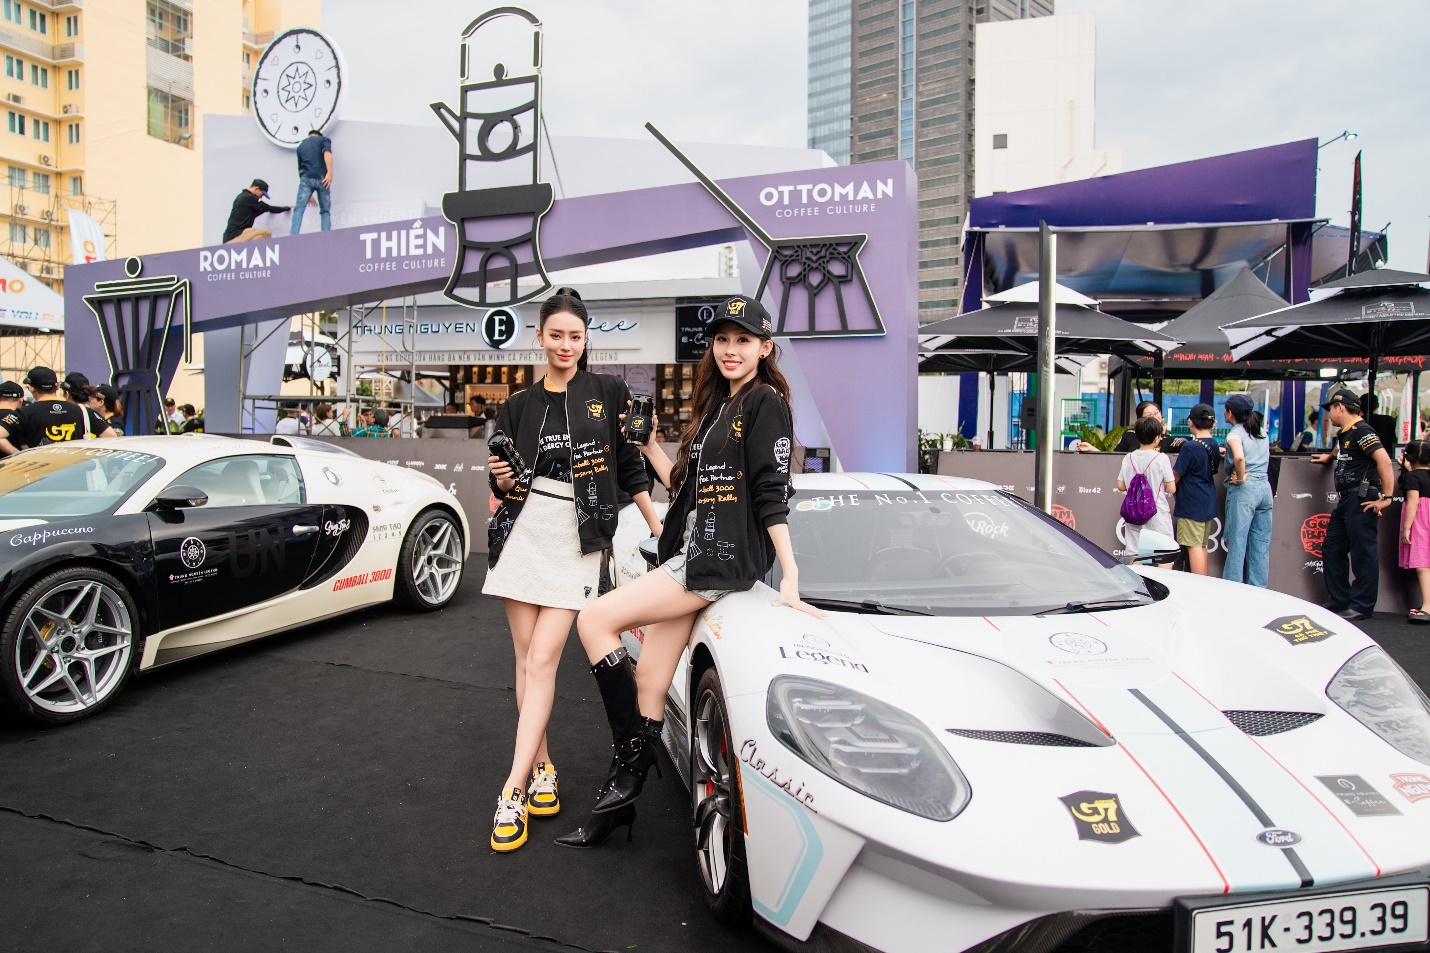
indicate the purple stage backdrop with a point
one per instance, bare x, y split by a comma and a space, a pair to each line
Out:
873, 204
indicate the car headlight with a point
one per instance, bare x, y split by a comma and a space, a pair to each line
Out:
867, 745
1378, 694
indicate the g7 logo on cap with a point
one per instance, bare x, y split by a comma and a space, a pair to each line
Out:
735, 307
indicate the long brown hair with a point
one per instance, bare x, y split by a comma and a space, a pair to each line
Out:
711, 388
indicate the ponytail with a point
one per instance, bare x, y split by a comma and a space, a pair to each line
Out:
1417, 452
1250, 422
568, 301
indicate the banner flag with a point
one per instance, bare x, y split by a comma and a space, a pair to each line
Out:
1354, 251
86, 238
1409, 424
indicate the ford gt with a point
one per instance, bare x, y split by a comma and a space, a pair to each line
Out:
1001, 738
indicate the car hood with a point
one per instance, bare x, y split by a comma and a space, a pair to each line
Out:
1205, 716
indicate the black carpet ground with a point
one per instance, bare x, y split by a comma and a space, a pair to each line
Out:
251, 799
332, 789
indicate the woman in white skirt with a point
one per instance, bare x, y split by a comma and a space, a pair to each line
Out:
548, 538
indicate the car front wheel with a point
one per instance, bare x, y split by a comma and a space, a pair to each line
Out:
68, 645
715, 794
429, 567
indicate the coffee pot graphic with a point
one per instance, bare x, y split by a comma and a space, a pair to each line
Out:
500, 199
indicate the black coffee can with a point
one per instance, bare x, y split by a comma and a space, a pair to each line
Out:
638, 426
504, 449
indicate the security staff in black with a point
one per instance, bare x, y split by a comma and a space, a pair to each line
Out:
1362, 473
49, 419
726, 526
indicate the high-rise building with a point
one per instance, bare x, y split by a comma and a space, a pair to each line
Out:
103, 104
829, 77
911, 96
1037, 109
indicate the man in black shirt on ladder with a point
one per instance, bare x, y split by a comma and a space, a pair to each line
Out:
246, 209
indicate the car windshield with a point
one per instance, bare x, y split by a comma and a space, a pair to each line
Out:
979, 552
66, 480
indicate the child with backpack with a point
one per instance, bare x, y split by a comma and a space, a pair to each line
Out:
1147, 479
1198, 461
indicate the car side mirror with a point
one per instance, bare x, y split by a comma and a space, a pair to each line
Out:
650, 550
180, 498
1154, 547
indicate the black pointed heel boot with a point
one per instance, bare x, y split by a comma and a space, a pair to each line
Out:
634, 758
601, 827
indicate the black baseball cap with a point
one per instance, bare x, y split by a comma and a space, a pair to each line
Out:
1202, 413
260, 185
1345, 397
747, 313
10, 390
41, 378
75, 383
108, 391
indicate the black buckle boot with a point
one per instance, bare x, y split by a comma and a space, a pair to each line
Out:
634, 758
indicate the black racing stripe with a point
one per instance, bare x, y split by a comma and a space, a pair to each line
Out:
1256, 809
902, 480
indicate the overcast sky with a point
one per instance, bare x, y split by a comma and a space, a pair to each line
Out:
1176, 80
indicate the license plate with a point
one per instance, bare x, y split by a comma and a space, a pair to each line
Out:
1321, 923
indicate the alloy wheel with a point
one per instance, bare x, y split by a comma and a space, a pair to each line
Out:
74, 646
710, 790
437, 560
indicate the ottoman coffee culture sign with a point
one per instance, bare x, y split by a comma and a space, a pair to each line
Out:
297, 86
500, 197
805, 272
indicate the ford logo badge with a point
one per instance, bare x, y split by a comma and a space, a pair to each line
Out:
1276, 837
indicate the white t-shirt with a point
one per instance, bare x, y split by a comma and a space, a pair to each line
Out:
327, 428
289, 425
1158, 468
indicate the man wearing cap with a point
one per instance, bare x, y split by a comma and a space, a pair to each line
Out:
193, 423
315, 177
49, 419
75, 386
1362, 473
246, 209
1196, 492
12, 398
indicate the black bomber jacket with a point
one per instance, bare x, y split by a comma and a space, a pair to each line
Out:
739, 486
602, 460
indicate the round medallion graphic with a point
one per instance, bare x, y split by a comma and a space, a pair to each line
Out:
297, 86
192, 552
1077, 643
500, 327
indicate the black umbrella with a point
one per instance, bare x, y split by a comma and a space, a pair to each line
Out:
1369, 321
1011, 329
1206, 349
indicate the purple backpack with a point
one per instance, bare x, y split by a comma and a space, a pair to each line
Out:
1140, 504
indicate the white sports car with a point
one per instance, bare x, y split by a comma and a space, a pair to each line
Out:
1001, 738
124, 554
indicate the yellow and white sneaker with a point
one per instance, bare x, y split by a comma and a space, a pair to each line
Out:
542, 798
509, 824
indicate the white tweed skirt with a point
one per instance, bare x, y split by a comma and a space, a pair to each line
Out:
542, 563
